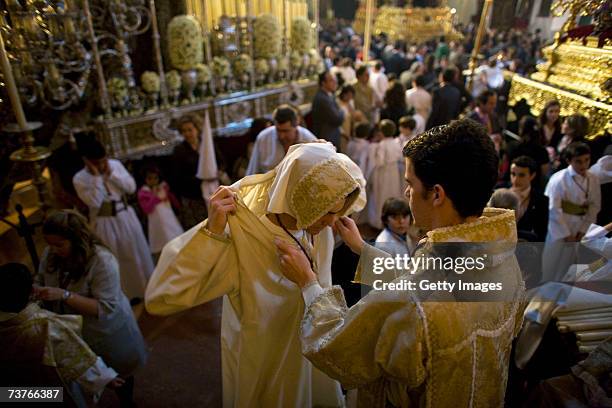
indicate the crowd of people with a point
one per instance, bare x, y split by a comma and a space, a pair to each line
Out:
403, 145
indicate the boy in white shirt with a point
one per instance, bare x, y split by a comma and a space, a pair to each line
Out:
574, 201
399, 236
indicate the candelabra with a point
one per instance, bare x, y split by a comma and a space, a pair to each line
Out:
46, 47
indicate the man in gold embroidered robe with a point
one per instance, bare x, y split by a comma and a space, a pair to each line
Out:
41, 348
396, 347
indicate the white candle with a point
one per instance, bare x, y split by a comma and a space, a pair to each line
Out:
12, 87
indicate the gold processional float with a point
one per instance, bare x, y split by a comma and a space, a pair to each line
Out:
578, 68
410, 24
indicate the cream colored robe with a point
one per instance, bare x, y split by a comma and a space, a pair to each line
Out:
262, 364
395, 349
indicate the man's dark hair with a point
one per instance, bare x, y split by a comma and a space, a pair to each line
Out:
378, 65
15, 288
484, 96
89, 147
322, 76
362, 130
420, 81
461, 158
346, 89
448, 75
526, 162
407, 122
575, 149
394, 206
361, 70
285, 113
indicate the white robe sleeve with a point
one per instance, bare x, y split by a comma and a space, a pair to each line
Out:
595, 239
557, 225
595, 203
193, 269
90, 190
121, 179
95, 379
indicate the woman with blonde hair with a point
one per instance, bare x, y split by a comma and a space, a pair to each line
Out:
80, 275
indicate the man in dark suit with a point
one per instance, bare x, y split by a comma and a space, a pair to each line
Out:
327, 117
446, 102
532, 214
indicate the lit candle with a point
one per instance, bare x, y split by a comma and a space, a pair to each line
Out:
213, 13
12, 87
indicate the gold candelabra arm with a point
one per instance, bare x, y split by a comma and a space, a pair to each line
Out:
481, 29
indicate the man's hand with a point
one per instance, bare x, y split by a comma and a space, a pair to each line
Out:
349, 232
116, 382
91, 168
48, 293
608, 227
294, 264
222, 203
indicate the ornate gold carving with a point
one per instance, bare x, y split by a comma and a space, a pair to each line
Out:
579, 69
410, 24
536, 94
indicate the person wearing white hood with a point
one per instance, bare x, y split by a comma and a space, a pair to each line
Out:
232, 254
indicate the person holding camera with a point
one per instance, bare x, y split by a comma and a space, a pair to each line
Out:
103, 185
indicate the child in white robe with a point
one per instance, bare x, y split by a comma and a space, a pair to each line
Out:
103, 185
359, 144
382, 172
156, 200
574, 202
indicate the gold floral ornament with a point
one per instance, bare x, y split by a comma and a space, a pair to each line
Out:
243, 65
301, 35
320, 189
267, 37
173, 79
283, 63
150, 82
203, 73
316, 61
262, 67
117, 88
185, 42
221, 67
295, 59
